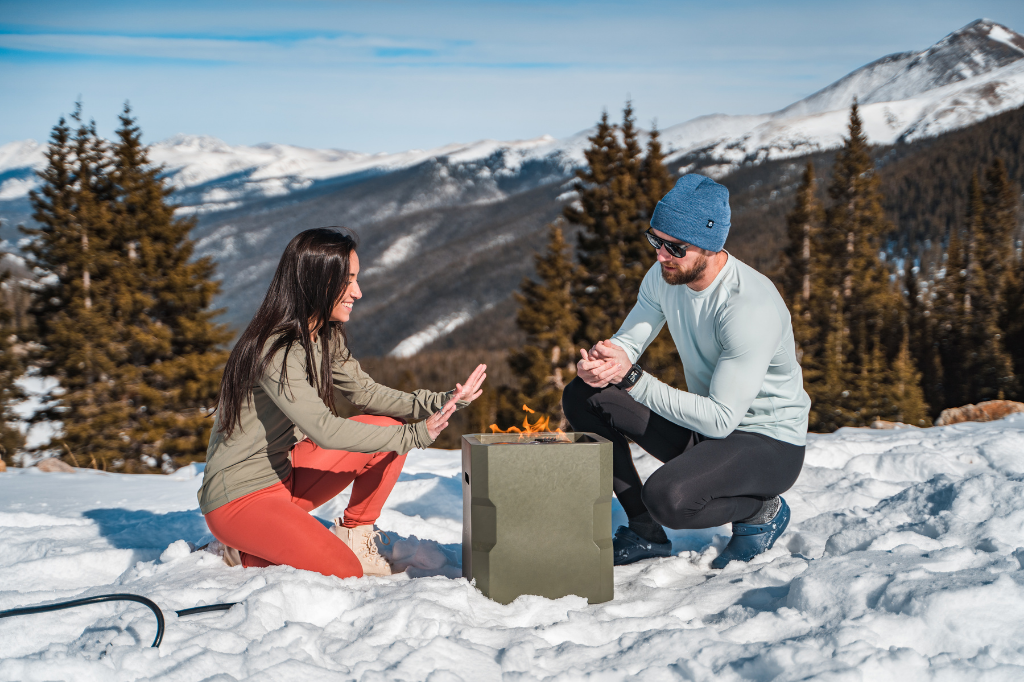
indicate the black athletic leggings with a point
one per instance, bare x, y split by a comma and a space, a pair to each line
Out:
704, 483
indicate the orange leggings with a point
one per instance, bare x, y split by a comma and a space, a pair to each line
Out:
273, 526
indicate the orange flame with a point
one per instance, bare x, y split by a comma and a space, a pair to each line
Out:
542, 425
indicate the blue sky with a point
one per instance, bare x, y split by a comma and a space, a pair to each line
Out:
388, 75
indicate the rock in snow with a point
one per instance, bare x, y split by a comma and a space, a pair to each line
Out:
904, 561
987, 411
52, 465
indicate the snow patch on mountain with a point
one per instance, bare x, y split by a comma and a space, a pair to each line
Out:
415, 343
401, 250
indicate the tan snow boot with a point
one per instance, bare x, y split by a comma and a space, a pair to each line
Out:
362, 540
230, 555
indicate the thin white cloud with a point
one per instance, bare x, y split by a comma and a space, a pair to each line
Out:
399, 74
314, 50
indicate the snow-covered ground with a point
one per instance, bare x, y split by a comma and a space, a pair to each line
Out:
904, 561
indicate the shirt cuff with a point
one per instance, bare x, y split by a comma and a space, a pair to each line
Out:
627, 348
423, 439
459, 404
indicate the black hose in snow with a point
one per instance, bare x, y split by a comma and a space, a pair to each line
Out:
117, 597
203, 609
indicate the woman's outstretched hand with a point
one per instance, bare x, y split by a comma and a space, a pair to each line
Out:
437, 422
468, 391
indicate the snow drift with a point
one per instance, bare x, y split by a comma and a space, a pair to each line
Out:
904, 560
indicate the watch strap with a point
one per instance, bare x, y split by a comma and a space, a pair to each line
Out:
632, 376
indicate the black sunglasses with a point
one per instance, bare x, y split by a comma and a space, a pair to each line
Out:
675, 250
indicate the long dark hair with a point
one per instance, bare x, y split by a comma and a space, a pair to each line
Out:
309, 280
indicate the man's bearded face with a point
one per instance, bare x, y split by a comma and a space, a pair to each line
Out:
674, 273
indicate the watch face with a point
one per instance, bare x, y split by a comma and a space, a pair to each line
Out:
632, 376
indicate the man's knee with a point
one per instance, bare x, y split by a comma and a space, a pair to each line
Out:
657, 501
670, 503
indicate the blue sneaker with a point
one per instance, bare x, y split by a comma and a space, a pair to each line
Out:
629, 547
750, 539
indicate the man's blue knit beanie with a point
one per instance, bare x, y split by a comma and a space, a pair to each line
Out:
695, 211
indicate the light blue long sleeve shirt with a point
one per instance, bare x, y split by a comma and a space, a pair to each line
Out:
735, 340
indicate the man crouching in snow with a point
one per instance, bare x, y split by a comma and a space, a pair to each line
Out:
734, 441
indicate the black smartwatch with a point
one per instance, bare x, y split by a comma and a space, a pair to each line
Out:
632, 376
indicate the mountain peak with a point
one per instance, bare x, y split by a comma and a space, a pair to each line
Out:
974, 50
984, 34
977, 48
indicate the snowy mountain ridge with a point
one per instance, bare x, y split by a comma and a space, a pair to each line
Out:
969, 75
447, 234
211, 175
978, 48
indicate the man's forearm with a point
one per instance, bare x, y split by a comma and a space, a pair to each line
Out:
704, 415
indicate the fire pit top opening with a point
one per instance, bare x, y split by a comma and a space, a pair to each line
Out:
541, 437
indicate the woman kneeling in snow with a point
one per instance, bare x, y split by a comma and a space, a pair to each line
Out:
283, 376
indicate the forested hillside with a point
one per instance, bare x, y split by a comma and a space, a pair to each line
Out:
924, 188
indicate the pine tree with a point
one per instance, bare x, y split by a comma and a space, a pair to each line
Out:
547, 314
951, 306
871, 385
123, 320
605, 192
855, 225
174, 348
73, 308
974, 296
11, 367
988, 368
919, 337
618, 191
907, 386
799, 269
998, 259
1013, 306
829, 409
844, 301
1015, 325
1000, 222
661, 357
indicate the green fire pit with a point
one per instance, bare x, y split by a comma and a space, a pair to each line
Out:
537, 515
